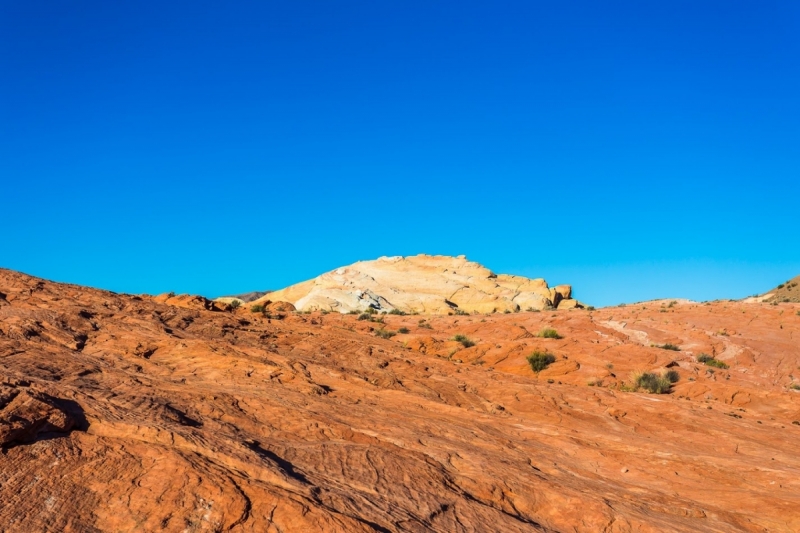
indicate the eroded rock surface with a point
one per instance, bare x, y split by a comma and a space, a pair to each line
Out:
194, 419
423, 284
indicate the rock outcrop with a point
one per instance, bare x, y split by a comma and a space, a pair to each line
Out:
422, 284
126, 413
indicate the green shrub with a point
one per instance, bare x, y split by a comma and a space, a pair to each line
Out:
670, 347
709, 360
672, 375
354, 312
402, 330
532, 310
650, 382
540, 360
464, 340
397, 312
460, 312
371, 311
590, 308
257, 308
425, 325
795, 386
780, 286
549, 333
364, 316
235, 304
384, 333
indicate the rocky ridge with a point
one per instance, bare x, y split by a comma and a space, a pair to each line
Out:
422, 284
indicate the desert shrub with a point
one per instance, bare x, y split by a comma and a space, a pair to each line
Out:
532, 310
672, 375
652, 383
364, 316
354, 312
506, 311
795, 386
397, 312
672, 303
540, 360
235, 304
425, 325
384, 333
256, 308
371, 311
780, 286
549, 333
670, 347
464, 340
709, 360
402, 330
461, 312
590, 308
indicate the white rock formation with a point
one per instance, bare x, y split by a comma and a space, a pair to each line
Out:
424, 284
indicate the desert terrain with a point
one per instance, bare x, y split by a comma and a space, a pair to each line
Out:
179, 414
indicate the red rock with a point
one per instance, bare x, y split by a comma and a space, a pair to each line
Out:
229, 421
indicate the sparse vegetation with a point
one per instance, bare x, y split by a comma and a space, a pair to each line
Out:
354, 312
397, 312
795, 386
460, 312
672, 375
540, 360
709, 360
669, 347
650, 382
403, 330
532, 310
256, 308
549, 333
672, 303
425, 325
464, 340
235, 304
506, 312
590, 308
364, 316
384, 333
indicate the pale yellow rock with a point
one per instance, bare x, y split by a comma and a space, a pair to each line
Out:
423, 284
568, 303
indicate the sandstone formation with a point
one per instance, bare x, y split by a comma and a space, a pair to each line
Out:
787, 292
422, 284
125, 414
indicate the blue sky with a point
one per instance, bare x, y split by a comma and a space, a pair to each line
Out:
634, 149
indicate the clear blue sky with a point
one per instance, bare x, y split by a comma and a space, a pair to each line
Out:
634, 149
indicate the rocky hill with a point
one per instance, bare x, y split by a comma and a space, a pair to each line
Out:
422, 284
784, 292
133, 413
